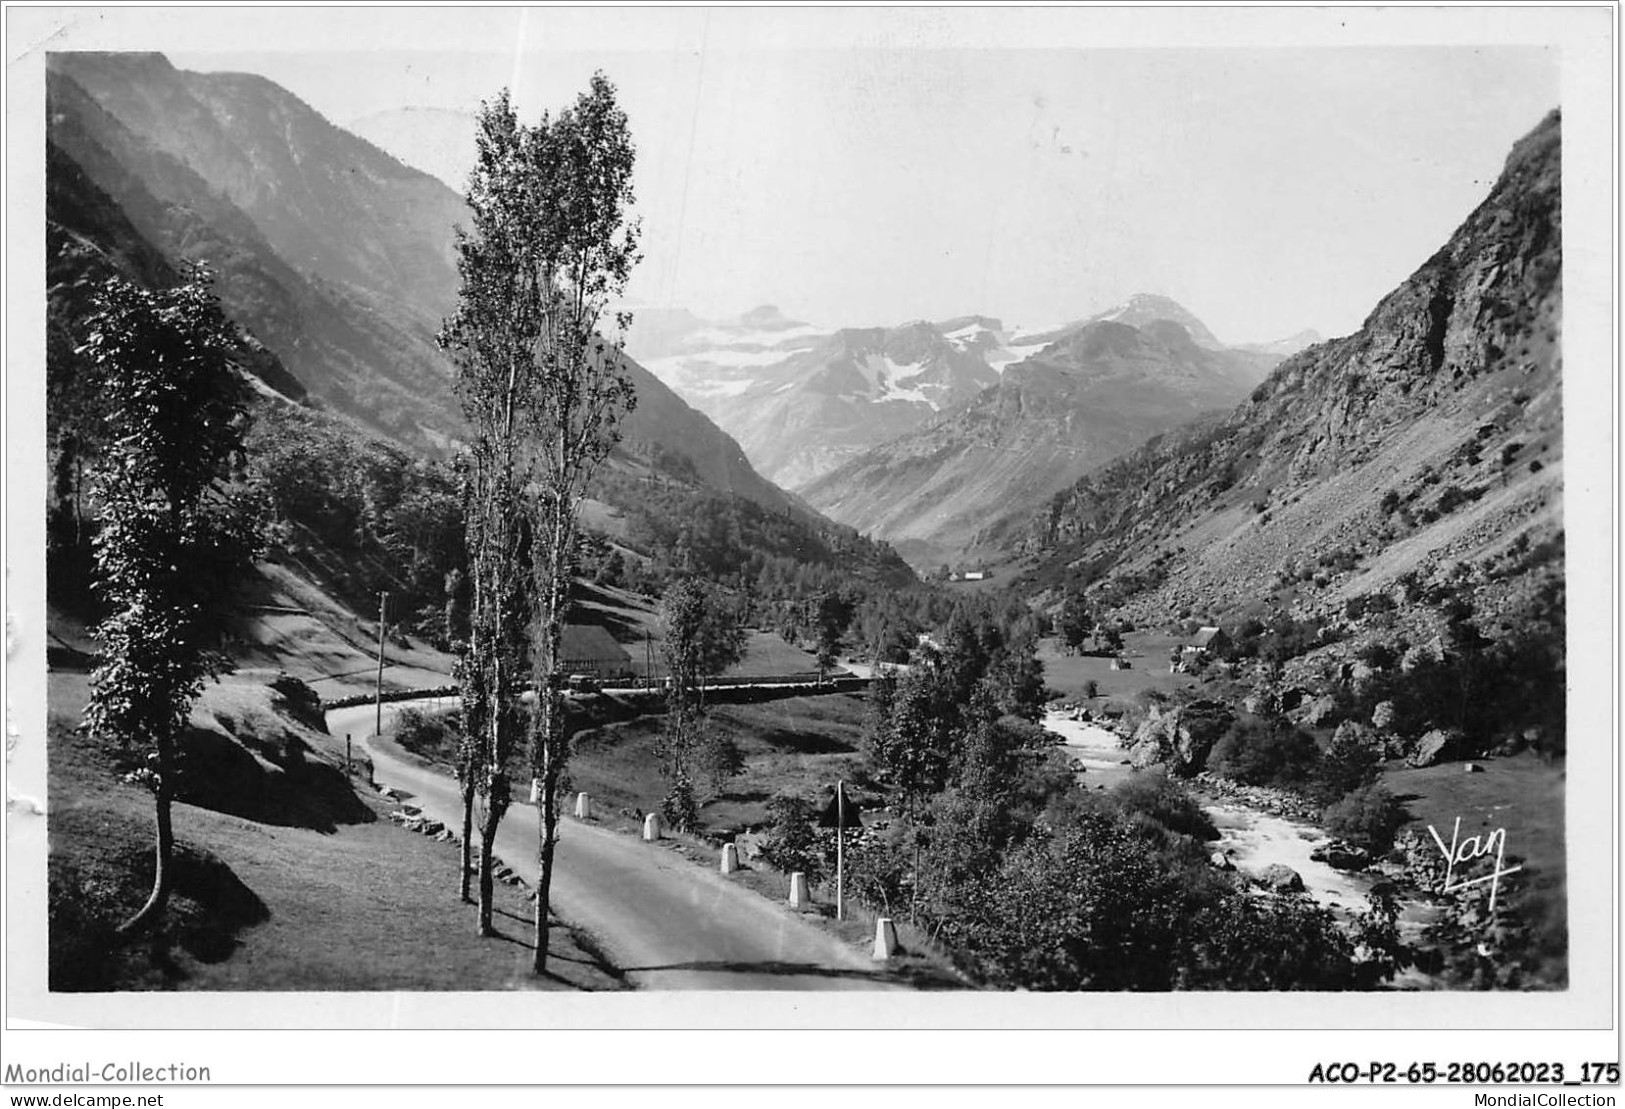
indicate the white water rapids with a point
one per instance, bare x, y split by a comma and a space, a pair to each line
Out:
1251, 838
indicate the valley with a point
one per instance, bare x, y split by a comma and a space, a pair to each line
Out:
1145, 661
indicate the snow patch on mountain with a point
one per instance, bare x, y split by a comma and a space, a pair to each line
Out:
886, 380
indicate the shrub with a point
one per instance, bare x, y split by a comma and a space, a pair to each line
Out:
1154, 796
679, 807
1367, 817
1264, 752
427, 734
879, 870
1378, 655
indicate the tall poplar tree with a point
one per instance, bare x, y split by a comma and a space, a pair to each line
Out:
550, 251
493, 337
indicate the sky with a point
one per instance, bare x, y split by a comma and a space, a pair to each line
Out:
926, 163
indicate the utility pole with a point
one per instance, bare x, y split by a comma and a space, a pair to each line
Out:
378, 693
840, 850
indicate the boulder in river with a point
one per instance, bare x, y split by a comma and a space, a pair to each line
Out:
1280, 878
1341, 856
1180, 737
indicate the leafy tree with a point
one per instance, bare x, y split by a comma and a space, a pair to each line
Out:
909, 736
700, 636
792, 839
551, 248
1090, 908
1077, 621
830, 615
1265, 751
1352, 760
173, 537
1015, 677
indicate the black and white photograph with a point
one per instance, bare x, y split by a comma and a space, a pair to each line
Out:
811, 517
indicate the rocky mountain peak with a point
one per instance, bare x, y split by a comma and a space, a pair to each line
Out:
1144, 308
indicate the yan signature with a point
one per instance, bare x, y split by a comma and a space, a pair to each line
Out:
1463, 851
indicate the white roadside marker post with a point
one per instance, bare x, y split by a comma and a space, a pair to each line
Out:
885, 938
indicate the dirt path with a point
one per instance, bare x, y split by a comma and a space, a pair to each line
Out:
665, 922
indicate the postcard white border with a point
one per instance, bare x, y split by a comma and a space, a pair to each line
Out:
1210, 1025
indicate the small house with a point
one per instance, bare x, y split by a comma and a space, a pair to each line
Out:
975, 575
1207, 640
589, 649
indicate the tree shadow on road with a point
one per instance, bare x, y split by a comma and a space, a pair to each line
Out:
590, 955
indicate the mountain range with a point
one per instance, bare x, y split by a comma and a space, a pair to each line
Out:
1093, 391
922, 434
802, 400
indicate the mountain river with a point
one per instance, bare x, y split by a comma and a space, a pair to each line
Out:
1251, 838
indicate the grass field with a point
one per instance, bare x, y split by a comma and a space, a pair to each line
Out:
322, 895
634, 621
767, 655
799, 745
1069, 675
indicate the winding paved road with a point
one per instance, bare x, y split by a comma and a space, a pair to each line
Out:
665, 922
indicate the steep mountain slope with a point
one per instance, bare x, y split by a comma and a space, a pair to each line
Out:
373, 360
337, 257
326, 202
1422, 452
1094, 392
88, 239
332, 258
802, 400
